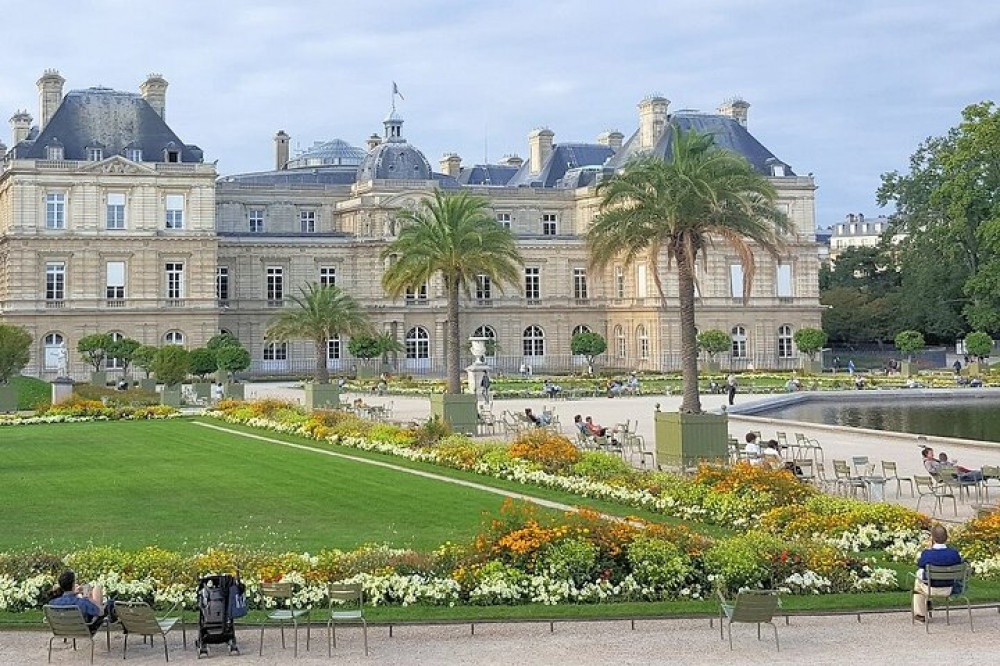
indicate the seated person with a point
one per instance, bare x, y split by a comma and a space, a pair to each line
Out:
934, 466
93, 607
594, 429
341, 383
360, 404
752, 449
976, 382
859, 382
581, 425
939, 554
615, 387
550, 389
771, 454
122, 384
632, 385
964, 473
530, 416
713, 387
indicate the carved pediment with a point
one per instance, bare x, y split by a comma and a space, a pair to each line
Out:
118, 165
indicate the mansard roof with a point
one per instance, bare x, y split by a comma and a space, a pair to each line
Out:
111, 119
565, 156
487, 174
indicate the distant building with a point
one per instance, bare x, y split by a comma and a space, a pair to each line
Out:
858, 231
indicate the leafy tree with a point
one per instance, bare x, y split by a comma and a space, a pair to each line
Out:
172, 364
203, 362
143, 358
388, 345
909, 342
15, 351
947, 203
220, 340
713, 341
365, 347
589, 345
94, 348
124, 349
810, 341
456, 237
702, 196
232, 358
321, 312
851, 316
979, 344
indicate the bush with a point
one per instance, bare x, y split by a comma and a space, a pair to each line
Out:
980, 538
601, 466
433, 430
659, 563
570, 559
744, 561
552, 451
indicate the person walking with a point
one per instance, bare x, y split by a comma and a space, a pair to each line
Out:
731, 388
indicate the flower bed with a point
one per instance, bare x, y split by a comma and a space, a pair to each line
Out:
79, 410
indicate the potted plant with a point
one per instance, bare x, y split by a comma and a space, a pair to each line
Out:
15, 345
94, 349
978, 345
810, 341
590, 346
143, 358
230, 357
203, 363
908, 342
712, 342
172, 366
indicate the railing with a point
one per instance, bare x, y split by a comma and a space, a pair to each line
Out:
115, 303
55, 304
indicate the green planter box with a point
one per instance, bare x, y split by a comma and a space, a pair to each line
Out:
687, 439
459, 411
148, 384
234, 391
906, 368
811, 366
171, 396
8, 398
99, 379
710, 367
322, 396
202, 390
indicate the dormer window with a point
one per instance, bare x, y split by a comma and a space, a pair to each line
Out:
133, 154
54, 152
778, 170
95, 154
172, 155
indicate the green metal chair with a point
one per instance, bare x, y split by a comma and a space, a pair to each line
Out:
751, 607
282, 594
67, 622
138, 618
955, 579
928, 487
347, 606
890, 473
948, 476
990, 473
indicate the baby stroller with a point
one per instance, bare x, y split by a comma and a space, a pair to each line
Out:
216, 598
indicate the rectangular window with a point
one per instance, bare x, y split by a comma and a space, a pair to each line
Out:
222, 283
549, 224
736, 280
55, 281
484, 288
414, 295
532, 284
256, 220
503, 219
115, 282
276, 351
95, 154
55, 211
134, 154
307, 221
115, 211
333, 348
580, 283
328, 276
275, 285
619, 282
175, 211
784, 280
641, 287
175, 281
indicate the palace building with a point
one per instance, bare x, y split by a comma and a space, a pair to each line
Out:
110, 223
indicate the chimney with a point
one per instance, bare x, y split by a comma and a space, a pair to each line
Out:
3, 150
20, 124
373, 142
451, 165
512, 161
50, 93
281, 140
652, 120
612, 139
737, 108
539, 148
154, 91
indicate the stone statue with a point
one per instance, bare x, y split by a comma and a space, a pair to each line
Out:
62, 360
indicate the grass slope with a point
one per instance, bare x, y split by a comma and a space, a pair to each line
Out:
31, 392
181, 486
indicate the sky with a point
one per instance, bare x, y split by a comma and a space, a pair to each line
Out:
843, 90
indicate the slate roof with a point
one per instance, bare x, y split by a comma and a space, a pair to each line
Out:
110, 119
728, 133
394, 159
322, 175
336, 152
565, 156
487, 174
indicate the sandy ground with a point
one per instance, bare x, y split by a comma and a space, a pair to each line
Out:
877, 639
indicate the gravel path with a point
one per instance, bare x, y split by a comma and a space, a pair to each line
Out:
877, 639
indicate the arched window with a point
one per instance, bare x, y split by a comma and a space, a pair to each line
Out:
113, 362
533, 341
739, 335
173, 338
620, 347
333, 348
785, 341
226, 331
418, 343
642, 342
582, 328
276, 351
53, 343
490, 334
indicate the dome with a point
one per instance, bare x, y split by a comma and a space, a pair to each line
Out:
394, 160
331, 153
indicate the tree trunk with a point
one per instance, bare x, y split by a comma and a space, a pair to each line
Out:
452, 343
689, 344
322, 372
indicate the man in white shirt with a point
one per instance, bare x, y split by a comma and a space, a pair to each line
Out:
752, 449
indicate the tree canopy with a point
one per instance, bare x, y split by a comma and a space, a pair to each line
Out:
713, 341
15, 351
810, 341
589, 345
94, 348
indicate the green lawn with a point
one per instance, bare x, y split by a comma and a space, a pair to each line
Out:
181, 486
31, 392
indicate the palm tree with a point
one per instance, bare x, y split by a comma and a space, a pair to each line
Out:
456, 237
681, 206
321, 312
